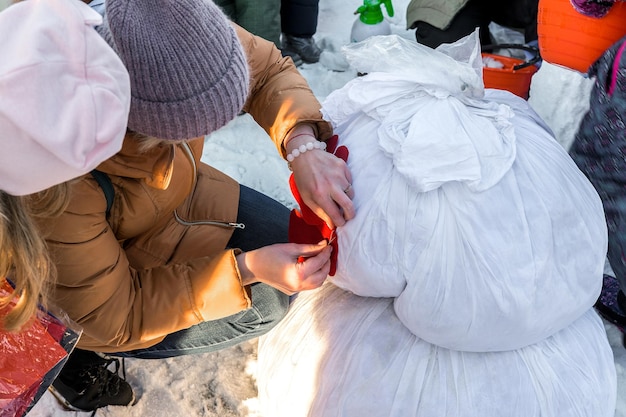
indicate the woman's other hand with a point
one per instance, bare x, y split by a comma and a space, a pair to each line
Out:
288, 267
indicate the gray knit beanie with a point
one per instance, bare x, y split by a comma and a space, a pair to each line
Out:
188, 71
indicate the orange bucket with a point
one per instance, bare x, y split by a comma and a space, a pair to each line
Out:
574, 40
514, 75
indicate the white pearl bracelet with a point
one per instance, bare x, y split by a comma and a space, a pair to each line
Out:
309, 146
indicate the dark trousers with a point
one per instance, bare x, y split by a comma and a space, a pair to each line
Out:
261, 18
299, 17
516, 14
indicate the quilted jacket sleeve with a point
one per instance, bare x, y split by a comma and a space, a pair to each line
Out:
279, 97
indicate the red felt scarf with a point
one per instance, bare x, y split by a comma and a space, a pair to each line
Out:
304, 225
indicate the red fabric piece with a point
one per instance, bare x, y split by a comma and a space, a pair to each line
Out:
25, 358
304, 225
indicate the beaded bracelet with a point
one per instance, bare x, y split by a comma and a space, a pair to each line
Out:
309, 146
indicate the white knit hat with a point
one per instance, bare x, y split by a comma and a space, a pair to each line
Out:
64, 95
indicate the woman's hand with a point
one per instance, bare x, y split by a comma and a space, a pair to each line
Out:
277, 265
323, 180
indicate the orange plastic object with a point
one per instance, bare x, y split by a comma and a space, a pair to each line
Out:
508, 78
574, 40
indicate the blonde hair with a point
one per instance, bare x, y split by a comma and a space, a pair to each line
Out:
23, 253
147, 143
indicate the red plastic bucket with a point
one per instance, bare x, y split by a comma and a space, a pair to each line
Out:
574, 40
514, 75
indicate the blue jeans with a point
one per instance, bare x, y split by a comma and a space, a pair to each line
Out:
266, 223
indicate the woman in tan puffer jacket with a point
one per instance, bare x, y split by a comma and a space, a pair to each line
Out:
187, 260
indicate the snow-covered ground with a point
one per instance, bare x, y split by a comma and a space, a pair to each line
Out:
222, 384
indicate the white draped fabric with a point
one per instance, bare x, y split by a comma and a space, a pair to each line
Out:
342, 355
467, 277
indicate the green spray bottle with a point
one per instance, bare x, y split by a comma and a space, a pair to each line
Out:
371, 21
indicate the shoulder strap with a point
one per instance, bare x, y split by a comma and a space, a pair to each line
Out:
107, 186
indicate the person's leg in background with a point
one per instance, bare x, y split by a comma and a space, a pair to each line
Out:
228, 7
298, 21
474, 14
261, 18
519, 15
516, 14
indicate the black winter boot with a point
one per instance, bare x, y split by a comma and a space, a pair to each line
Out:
85, 383
297, 61
306, 48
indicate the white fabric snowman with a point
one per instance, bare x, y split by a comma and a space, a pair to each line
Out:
465, 284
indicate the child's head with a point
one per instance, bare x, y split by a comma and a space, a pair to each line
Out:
65, 95
64, 101
188, 71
